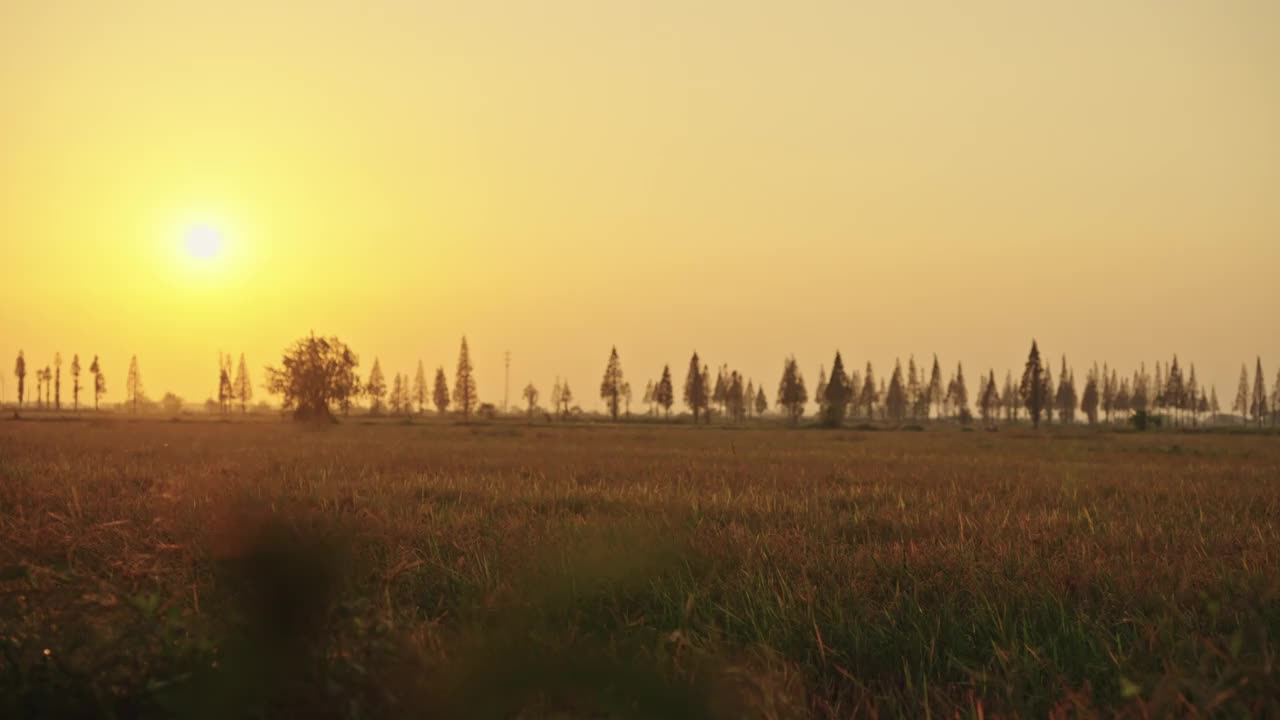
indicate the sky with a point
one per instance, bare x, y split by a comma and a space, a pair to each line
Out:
555, 177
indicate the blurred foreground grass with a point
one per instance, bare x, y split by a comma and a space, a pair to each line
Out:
227, 570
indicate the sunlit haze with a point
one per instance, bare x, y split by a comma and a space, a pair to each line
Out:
750, 180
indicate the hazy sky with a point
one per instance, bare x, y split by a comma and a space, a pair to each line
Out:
748, 179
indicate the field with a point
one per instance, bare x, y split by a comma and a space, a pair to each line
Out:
265, 569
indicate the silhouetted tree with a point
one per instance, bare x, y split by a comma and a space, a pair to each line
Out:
1089, 401
989, 399
397, 392
1241, 404
749, 398
1214, 406
440, 394
1258, 405
1067, 398
835, 398
762, 402
1192, 395
867, 399
913, 390
895, 399
566, 397
626, 397
958, 395
1033, 385
39, 387
314, 373
719, 394
664, 394
57, 381
464, 383
820, 390
696, 392
611, 385
531, 398
648, 398
375, 388
420, 388
243, 388
936, 396
171, 403
20, 371
75, 382
1124, 400
99, 381
133, 385
792, 394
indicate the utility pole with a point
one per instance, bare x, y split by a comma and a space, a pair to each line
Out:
506, 382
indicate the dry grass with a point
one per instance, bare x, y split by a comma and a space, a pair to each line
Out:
511, 571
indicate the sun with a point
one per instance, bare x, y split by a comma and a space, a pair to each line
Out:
203, 242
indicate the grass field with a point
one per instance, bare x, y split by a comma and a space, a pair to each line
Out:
503, 570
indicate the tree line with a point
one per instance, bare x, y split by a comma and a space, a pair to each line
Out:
318, 376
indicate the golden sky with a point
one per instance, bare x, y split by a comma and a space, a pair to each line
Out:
553, 177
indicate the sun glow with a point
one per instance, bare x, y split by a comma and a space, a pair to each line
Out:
203, 242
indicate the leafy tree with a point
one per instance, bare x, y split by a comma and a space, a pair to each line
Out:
1258, 405
376, 388
1241, 404
895, 399
314, 373
835, 397
99, 381
792, 394
989, 399
611, 385
57, 381
243, 389
464, 383
935, 394
664, 394
762, 402
133, 385
420, 388
440, 394
20, 371
531, 398
1032, 388
696, 393
75, 381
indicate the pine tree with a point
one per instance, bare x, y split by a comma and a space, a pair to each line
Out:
719, 394
989, 399
820, 391
243, 388
1214, 406
1009, 396
611, 385
420, 388
1050, 394
397, 389
1241, 404
1258, 405
792, 394
913, 387
626, 397
133, 385
762, 402
57, 382
1192, 394
99, 381
835, 399
464, 383
867, 398
1033, 385
958, 394
664, 394
1090, 400
696, 393
936, 396
440, 393
566, 397
20, 372
1066, 394
749, 398
75, 382
376, 388
895, 400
